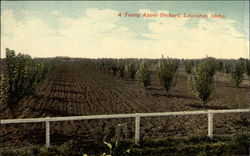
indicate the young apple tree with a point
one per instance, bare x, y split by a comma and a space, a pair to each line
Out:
131, 71
188, 64
143, 74
166, 73
200, 82
237, 73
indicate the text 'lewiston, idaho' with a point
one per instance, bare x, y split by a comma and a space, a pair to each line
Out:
170, 15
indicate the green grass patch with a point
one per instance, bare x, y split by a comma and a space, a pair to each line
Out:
198, 146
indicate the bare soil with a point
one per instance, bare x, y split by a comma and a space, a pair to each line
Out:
74, 89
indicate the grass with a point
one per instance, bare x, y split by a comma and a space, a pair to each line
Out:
200, 146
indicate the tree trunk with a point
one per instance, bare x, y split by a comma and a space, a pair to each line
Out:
204, 102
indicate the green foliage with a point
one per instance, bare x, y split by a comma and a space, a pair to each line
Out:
131, 71
219, 66
143, 74
200, 82
166, 71
248, 68
116, 150
4, 88
200, 145
188, 64
121, 69
228, 67
210, 66
223, 145
114, 69
21, 76
237, 73
109, 146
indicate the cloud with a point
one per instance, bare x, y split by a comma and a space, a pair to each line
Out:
24, 12
95, 35
100, 33
56, 13
31, 36
147, 11
213, 37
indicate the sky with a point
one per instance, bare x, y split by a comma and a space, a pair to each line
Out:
94, 29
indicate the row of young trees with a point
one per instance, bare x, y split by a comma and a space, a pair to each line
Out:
200, 79
21, 76
201, 73
234, 69
140, 70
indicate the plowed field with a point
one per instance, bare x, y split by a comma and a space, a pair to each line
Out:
75, 89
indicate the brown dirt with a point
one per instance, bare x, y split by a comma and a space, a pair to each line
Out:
75, 89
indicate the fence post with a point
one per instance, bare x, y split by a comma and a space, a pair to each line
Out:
137, 129
47, 133
210, 125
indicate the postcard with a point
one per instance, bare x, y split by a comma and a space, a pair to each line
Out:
124, 78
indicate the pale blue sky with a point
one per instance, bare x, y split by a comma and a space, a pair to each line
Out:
141, 32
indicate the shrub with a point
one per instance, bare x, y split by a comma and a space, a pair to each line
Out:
237, 73
188, 64
114, 69
228, 67
121, 69
200, 82
219, 66
131, 71
166, 72
21, 76
210, 66
248, 68
143, 74
15, 80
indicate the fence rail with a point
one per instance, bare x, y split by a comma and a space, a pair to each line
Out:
137, 116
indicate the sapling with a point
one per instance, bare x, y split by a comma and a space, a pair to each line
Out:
200, 82
228, 68
248, 68
131, 71
188, 64
237, 73
121, 69
21, 76
166, 71
114, 69
143, 74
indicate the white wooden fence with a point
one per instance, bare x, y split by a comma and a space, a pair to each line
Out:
137, 116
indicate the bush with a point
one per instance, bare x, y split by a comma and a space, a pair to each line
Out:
210, 66
143, 74
222, 145
15, 80
114, 68
248, 68
21, 76
200, 82
228, 67
237, 73
121, 69
166, 72
131, 71
188, 66
198, 145
219, 66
